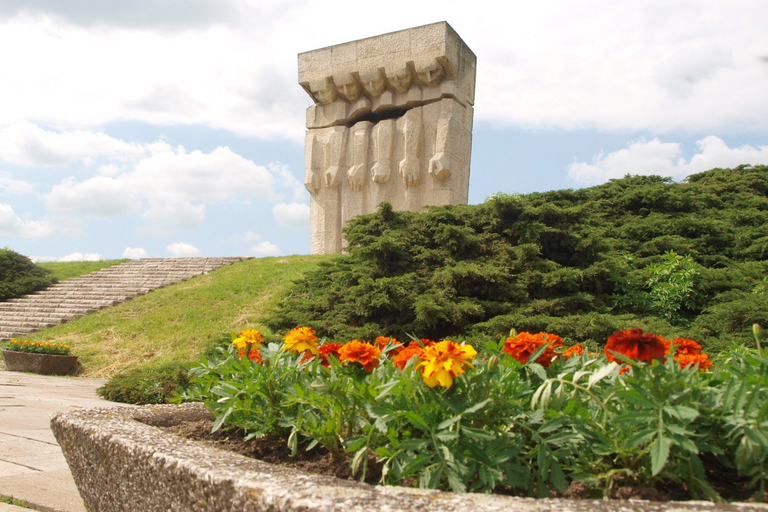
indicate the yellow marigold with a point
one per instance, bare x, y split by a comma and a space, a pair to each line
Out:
444, 361
359, 352
248, 337
300, 339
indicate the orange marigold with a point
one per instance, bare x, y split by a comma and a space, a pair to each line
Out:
254, 355
702, 360
326, 350
405, 355
382, 341
359, 352
573, 351
635, 344
686, 347
524, 344
300, 339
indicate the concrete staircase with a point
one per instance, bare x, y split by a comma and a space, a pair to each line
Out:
109, 286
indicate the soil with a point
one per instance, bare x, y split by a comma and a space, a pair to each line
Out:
274, 450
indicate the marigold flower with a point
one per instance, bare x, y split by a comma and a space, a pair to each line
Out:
686, 347
635, 344
382, 341
444, 361
702, 360
573, 351
405, 355
325, 350
248, 337
360, 352
524, 344
688, 353
300, 339
254, 355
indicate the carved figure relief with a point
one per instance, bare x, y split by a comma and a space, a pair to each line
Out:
391, 127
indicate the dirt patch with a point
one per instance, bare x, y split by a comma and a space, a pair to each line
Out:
275, 450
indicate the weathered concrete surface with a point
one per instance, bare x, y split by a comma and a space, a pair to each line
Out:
32, 466
391, 121
123, 463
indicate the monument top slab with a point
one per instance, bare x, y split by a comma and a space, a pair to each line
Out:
389, 55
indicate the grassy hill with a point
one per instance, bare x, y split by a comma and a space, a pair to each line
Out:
180, 322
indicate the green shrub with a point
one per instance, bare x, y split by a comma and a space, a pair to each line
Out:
146, 385
19, 276
552, 259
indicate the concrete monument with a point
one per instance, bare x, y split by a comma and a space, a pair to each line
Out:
391, 121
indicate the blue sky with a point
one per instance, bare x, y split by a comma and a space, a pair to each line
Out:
153, 128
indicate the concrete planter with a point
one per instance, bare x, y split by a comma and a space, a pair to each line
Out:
46, 364
122, 462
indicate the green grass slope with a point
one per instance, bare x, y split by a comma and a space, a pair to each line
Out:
178, 323
63, 270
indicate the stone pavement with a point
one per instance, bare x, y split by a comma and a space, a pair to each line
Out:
32, 466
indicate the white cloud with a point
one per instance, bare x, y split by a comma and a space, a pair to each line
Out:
249, 236
27, 144
664, 159
265, 249
101, 196
291, 215
181, 249
14, 187
78, 256
170, 188
134, 253
626, 65
12, 224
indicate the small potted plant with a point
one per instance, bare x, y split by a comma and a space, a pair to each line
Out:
38, 357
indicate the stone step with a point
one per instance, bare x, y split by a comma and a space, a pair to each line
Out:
106, 287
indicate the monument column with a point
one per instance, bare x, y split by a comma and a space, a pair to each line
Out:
391, 120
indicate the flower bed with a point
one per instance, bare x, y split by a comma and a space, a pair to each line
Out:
38, 357
122, 462
524, 415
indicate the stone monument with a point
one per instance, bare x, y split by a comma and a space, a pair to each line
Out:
391, 121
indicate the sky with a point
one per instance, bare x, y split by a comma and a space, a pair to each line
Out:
159, 128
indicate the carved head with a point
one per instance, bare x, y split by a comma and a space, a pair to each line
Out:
374, 83
348, 88
431, 75
401, 79
325, 92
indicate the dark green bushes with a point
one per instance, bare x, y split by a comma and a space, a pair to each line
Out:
19, 276
683, 260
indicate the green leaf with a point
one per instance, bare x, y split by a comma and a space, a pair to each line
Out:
682, 412
659, 454
416, 420
358, 459
600, 374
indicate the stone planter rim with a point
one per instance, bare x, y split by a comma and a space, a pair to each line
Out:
44, 364
123, 463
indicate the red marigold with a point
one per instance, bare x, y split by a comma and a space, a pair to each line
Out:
524, 344
573, 351
405, 355
364, 353
635, 344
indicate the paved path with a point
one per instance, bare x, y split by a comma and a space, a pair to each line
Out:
32, 467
